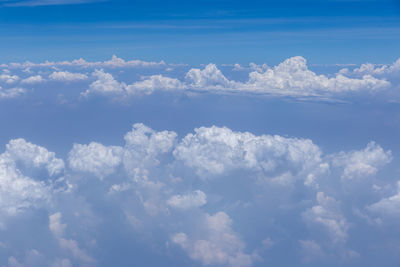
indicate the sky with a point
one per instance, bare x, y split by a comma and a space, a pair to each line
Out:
199, 133
220, 31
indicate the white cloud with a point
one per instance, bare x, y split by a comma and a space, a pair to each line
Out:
104, 85
18, 192
293, 78
107, 85
67, 76
34, 155
290, 78
33, 79
143, 145
58, 230
219, 244
378, 70
95, 158
114, 62
154, 82
220, 150
328, 215
362, 163
191, 200
11, 93
7, 78
208, 78
389, 206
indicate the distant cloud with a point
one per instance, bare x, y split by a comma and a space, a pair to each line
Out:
33, 79
291, 78
67, 76
18, 3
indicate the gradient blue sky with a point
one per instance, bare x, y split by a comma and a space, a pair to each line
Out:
325, 32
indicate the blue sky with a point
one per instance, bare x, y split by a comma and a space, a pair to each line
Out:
199, 133
219, 31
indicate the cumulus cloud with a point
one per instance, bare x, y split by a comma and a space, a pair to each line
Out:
362, 163
107, 85
34, 155
33, 79
70, 245
67, 76
114, 62
219, 244
17, 191
95, 158
328, 215
293, 78
142, 190
389, 206
290, 78
8, 78
215, 151
11, 93
191, 200
143, 145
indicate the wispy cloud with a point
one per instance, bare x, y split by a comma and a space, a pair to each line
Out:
18, 3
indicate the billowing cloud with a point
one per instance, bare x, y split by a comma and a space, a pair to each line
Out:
67, 76
215, 151
33, 79
290, 78
19, 192
191, 200
8, 78
114, 62
359, 164
219, 244
173, 195
95, 158
327, 214
11, 93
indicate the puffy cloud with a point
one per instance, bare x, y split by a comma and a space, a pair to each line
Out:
34, 155
219, 244
104, 85
19, 192
7, 78
55, 225
389, 206
143, 145
154, 82
209, 78
293, 78
11, 93
107, 85
328, 215
95, 158
67, 76
114, 62
191, 200
358, 164
377, 70
217, 150
33, 79
58, 230
290, 78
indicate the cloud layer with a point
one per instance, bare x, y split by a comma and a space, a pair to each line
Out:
291, 78
181, 188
